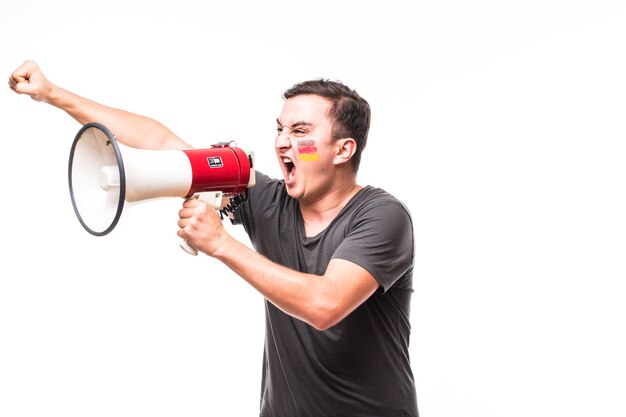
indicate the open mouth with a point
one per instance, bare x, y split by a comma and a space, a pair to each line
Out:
289, 169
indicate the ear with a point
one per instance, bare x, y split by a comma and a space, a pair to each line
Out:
344, 150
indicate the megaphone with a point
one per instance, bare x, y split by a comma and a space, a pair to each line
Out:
103, 174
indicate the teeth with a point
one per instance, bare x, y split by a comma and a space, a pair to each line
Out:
290, 168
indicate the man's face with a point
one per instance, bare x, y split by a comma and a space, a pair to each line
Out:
304, 146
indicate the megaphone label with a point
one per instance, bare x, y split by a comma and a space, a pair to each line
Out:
215, 162
230, 176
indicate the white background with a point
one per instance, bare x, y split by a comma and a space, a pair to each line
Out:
499, 124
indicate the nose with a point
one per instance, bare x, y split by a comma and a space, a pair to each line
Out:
283, 139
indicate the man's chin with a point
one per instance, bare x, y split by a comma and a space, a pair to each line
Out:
293, 192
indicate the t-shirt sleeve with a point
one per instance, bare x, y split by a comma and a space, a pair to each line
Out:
259, 198
381, 240
246, 210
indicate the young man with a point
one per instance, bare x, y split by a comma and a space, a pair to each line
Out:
333, 259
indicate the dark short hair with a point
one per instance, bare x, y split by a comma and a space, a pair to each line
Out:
349, 113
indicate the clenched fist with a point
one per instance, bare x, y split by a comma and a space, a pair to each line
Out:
28, 79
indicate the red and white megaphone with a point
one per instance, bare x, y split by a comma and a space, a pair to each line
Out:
103, 174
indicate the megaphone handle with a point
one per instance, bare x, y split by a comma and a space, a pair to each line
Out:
214, 198
188, 248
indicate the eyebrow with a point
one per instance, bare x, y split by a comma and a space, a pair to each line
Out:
296, 124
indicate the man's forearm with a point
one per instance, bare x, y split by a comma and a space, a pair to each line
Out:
129, 128
287, 289
320, 300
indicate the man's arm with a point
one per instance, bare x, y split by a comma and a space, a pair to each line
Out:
320, 300
129, 128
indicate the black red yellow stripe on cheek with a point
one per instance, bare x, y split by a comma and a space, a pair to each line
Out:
307, 150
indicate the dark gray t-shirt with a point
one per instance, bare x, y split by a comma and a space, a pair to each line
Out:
359, 367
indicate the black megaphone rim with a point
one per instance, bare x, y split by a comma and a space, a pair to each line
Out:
120, 164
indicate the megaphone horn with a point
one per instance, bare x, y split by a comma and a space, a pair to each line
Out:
104, 173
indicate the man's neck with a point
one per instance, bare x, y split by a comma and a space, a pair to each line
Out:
317, 215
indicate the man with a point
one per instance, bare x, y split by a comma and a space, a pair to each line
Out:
333, 259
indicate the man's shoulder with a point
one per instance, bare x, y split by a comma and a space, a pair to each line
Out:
268, 197
378, 198
266, 187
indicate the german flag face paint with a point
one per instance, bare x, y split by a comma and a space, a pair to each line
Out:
307, 150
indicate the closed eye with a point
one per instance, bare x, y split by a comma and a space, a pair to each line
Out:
298, 129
